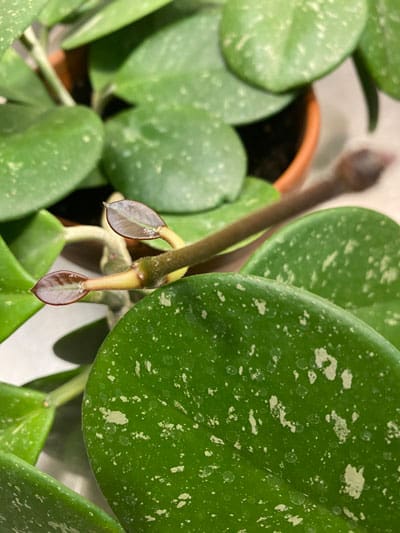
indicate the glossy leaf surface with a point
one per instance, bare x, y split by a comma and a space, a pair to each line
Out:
349, 255
108, 17
17, 304
176, 161
256, 193
246, 402
281, 44
19, 83
57, 10
45, 157
183, 65
35, 241
60, 288
380, 43
15, 18
133, 220
24, 421
31, 501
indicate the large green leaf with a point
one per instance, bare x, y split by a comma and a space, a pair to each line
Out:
108, 17
36, 241
15, 18
281, 44
256, 193
19, 82
380, 43
44, 157
176, 160
27, 251
32, 502
17, 303
349, 255
183, 65
228, 402
57, 10
25, 421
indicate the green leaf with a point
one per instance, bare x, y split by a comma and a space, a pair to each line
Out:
31, 501
17, 303
25, 421
247, 402
347, 255
176, 160
28, 247
44, 157
19, 83
108, 17
256, 193
15, 18
52, 381
379, 45
36, 241
369, 89
281, 44
57, 10
183, 65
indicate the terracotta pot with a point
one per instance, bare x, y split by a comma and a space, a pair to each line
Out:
71, 68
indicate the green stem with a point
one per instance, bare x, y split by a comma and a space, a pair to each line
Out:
31, 42
101, 98
69, 390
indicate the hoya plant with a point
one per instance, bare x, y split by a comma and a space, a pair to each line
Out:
260, 399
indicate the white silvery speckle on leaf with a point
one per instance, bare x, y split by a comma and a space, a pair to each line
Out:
347, 378
260, 305
279, 411
353, 481
165, 300
113, 417
326, 362
339, 427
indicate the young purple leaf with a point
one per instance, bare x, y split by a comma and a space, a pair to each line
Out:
133, 220
60, 288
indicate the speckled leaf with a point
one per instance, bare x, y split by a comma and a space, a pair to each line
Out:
19, 83
183, 65
36, 241
108, 17
31, 501
246, 402
176, 160
191, 228
17, 304
133, 220
380, 44
25, 421
15, 18
44, 157
57, 10
281, 44
349, 255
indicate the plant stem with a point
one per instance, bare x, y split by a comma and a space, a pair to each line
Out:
69, 390
31, 42
355, 171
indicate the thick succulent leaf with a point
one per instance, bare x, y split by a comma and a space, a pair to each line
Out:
15, 18
281, 44
183, 65
35, 241
57, 10
349, 255
25, 421
108, 17
31, 501
176, 160
17, 303
60, 287
81, 345
44, 157
247, 402
256, 193
380, 43
19, 83
133, 220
